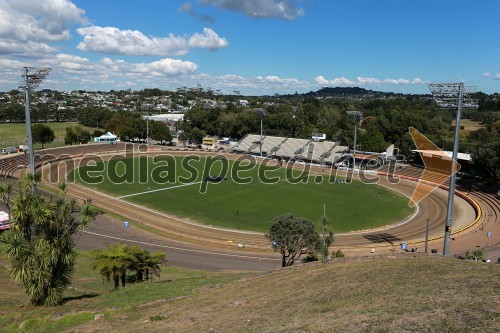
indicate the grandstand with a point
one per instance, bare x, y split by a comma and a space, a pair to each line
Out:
269, 145
291, 148
321, 150
249, 142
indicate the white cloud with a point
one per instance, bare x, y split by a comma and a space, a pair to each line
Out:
72, 58
396, 81
167, 66
111, 40
368, 80
208, 40
259, 85
365, 81
341, 81
283, 9
38, 21
491, 75
284, 81
419, 81
74, 72
28, 48
7, 64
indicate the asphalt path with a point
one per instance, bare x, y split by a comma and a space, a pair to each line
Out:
109, 230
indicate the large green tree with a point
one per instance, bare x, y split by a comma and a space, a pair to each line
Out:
293, 236
42, 134
40, 244
487, 160
160, 132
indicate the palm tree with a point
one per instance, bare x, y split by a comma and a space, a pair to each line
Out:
40, 245
148, 264
113, 262
152, 263
116, 259
327, 236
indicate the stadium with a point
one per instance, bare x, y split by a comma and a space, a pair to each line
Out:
386, 227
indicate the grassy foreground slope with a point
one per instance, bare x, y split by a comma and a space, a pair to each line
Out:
395, 294
89, 295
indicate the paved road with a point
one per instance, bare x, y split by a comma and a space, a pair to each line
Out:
109, 230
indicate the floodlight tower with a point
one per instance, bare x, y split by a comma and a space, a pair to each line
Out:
451, 96
356, 116
147, 130
31, 81
261, 112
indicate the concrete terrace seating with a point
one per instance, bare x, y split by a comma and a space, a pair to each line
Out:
321, 150
292, 147
247, 143
50, 154
337, 152
9, 164
269, 145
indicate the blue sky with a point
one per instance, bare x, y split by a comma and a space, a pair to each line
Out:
256, 47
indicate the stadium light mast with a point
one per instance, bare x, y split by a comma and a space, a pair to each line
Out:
356, 116
261, 112
31, 81
451, 96
147, 130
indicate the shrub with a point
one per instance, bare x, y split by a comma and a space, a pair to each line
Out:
338, 254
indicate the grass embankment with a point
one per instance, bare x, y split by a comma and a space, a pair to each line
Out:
250, 205
90, 295
13, 135
402, 294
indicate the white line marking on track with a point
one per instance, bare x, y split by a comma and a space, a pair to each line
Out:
180, 248
158, 190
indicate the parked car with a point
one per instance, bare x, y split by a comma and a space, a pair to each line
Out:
9, 150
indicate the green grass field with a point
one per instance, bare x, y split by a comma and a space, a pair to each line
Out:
250, 206
13, 135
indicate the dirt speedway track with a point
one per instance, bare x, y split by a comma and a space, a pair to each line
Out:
408, 231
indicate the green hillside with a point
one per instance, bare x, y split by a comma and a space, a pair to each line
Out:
381, 294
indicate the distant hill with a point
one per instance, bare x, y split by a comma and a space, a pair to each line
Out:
336, 91
344, 91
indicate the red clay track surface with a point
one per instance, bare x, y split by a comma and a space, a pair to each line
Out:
194, 245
